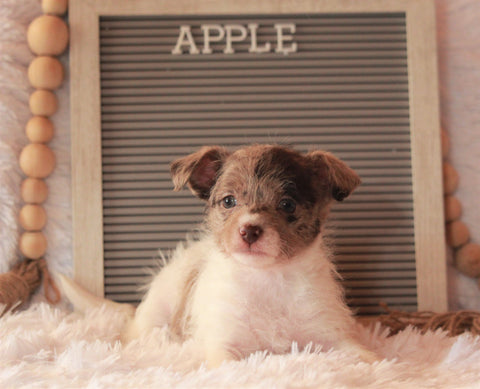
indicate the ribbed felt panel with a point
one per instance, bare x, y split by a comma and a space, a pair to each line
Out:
345, 90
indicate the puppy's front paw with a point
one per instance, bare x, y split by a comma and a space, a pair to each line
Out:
357, 349
368, 356
215, 357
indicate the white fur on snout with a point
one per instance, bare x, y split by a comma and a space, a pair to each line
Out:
264, 251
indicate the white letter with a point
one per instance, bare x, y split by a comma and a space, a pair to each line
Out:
253, 47
230, 38
207, 38
185, 38
285, 38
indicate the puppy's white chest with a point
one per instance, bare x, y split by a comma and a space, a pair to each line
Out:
271, 294
276, 310
254, 309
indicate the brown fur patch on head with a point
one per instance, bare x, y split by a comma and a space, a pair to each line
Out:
291, 170
199, 170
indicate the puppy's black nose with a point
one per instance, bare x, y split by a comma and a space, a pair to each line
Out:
250, 234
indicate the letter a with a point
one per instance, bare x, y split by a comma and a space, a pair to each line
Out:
185, 38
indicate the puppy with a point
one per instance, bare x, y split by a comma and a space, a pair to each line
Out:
260, 277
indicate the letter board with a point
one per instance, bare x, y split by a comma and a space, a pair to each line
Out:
152, 84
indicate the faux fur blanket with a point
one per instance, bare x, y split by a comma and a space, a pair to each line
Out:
45, 347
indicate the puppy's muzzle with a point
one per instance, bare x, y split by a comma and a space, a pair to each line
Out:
251, 233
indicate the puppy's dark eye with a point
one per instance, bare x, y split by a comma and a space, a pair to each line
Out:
229, 202
287, 205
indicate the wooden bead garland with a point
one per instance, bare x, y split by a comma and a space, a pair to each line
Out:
54, 7
37, 160
43, 103
457, 233
467, 259
39, 129
453, 208
34, 191
466, 253
45, 72
33, 244
450, 179
32, 217
47, 36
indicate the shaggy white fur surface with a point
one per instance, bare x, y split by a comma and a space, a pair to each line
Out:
47, 347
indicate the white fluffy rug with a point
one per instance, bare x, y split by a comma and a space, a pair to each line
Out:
47, 347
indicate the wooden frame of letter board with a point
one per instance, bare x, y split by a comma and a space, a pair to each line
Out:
424, 122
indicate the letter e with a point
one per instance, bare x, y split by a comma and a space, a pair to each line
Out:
281, 38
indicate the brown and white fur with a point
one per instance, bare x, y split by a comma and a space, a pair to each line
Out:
260, 277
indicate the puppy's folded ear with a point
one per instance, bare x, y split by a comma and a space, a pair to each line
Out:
342, 179
199, 170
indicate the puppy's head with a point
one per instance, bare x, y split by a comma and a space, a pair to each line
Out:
265, 204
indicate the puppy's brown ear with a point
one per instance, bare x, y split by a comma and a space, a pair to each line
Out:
342, 179
199, 170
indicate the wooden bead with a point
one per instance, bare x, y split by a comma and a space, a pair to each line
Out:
457, 233
54, 7
43, 103
32, 217
37, 160
45, 73
34, 191
450, 179
33, 245
445, 144
467, 260
47, 35
453, 208
39, 129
